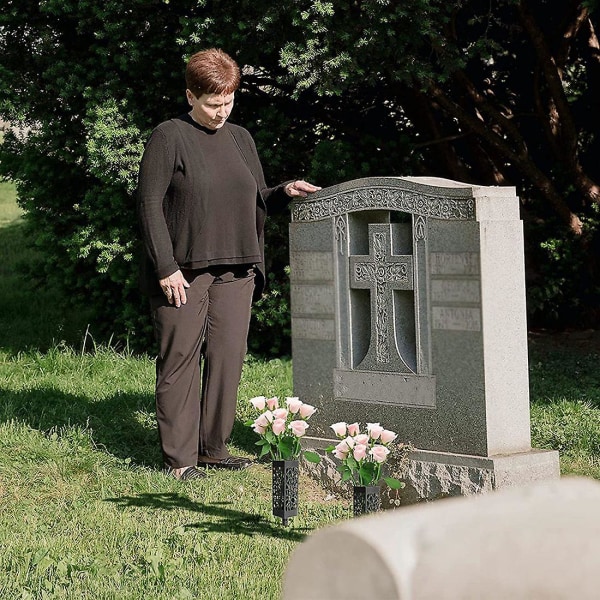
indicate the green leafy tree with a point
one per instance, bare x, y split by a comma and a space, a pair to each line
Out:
89, 79
491, 93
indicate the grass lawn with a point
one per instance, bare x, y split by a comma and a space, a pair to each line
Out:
85, 512
565, 399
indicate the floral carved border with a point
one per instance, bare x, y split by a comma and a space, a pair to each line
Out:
449, 204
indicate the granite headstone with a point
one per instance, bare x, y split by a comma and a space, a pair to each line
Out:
408, 309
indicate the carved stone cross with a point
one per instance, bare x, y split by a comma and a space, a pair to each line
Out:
382, 272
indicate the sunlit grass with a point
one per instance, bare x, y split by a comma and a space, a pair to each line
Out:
565, 407
80, 474
9, 210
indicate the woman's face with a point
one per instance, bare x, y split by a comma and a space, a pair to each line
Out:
211, 110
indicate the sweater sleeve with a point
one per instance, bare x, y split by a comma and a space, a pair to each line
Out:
156, 171
275, 197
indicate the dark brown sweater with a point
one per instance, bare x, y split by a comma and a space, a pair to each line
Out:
195, 206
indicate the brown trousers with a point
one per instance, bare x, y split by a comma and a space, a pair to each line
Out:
212, 326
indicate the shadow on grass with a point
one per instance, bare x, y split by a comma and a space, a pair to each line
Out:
111, 422
558, 373
244, 438
227, 520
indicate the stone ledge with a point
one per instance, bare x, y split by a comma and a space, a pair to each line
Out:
433, 475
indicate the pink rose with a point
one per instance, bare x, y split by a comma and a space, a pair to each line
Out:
258, 402
353, 429
280, 413
306, 410
362, 438
260, 429
341, 450
345, 445
374, 430
339, 429
264, 419
342, 447
339, 454
278, 426
298, 428
273, 403
360, 451
379, 453
349, 442
388, 436
293, 405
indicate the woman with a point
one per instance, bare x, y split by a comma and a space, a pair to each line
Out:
202, 201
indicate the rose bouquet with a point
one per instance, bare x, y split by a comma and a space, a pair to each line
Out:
362, 454
281, 427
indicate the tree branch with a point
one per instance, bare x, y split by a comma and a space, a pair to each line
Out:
552, 77
578, 15
523, 163
559, 109
486, 108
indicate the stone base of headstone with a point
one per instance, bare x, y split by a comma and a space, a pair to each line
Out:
433, 475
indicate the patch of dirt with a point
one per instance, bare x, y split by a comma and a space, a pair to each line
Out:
311, 490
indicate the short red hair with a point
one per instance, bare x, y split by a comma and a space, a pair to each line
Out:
212, 71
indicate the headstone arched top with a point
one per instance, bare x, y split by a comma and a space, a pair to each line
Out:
425, 196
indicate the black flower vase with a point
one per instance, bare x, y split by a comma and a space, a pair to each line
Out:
286, 474
367, 499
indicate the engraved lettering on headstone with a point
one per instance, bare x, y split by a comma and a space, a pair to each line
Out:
455, 290
454, 263
456, 318
311, 266
313, 299
382, 272
313, 329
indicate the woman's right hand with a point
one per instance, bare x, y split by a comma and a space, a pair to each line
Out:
300, 188
174, 287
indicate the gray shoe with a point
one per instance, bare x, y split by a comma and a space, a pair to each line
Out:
232, 463
189, 474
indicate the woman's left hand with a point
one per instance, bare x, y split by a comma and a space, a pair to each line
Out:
300, 188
